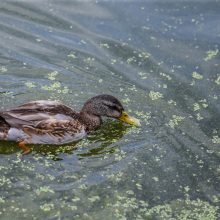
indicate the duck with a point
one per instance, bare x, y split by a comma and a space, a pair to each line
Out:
51, 122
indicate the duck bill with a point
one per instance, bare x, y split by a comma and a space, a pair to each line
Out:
129, 120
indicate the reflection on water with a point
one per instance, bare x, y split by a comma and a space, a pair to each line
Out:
98, 142
161, 59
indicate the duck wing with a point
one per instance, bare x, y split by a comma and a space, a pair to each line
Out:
54, 131
32, 113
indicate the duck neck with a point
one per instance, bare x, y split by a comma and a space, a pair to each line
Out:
91, 121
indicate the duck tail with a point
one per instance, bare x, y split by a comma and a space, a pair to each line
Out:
4, 126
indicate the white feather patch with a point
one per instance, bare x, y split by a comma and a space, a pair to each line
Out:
15, 134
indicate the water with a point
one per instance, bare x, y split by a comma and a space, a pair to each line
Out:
161, 59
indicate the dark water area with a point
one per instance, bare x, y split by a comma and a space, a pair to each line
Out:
161, 59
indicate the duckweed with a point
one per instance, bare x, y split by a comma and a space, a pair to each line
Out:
217, 81
89, 60
155, 95
199, 117
94, 198
155, 178
143, 75
216, 139
44, 189
183, 210
175, 121
72, 55
180, 209
52, 75
52, 87
144, 55
168, 77
47, 207
104, 45
172, 102
196, 107
152, 172
2, 200
113, 61
30, 84
211, 54
145, 116
131, 60
3, 69
197, 75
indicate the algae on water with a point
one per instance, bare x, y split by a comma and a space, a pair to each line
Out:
211, 54
216, 139
217, 81
3, 69
155, 95
175, 121
197, 75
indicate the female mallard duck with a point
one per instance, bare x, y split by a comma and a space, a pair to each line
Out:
50, 122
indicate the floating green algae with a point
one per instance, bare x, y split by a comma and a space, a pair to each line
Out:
55, 86
38, 40
104, 45
113, 61
199, 117
172, 102
127, 204
155, 178
3, 69
196, 107
155, 95
30, 84
175, 121
197, 75
216, 139
211, 54
143, 75
72, 55
131, 60
52, 75
94, 198
145, 116
183, 210
47, 207
217, 81
166, 76
44, 189
144, 55
141, 181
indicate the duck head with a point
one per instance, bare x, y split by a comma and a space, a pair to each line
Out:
105, 105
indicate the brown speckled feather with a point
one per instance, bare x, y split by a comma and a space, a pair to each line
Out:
51, 122
41, 122
4, 128
34, 112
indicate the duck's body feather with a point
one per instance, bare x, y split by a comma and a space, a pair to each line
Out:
41, 122
51, 122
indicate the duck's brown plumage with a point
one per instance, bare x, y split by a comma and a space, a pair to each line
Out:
51, 122
39, 118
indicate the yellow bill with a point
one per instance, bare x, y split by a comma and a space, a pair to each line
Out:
129, 120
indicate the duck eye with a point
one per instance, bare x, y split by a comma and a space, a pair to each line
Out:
113, 107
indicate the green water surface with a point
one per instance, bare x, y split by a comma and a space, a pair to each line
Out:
162, 60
